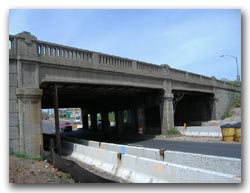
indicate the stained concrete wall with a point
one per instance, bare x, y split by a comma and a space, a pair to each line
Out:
14, 138
25, 132
222, 99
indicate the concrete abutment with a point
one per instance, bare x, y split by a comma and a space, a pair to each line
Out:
30, 128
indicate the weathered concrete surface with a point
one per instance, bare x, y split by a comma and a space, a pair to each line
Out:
29, 111
137, 151
201, 131
35, 64
220, 164
137, 169
213, 163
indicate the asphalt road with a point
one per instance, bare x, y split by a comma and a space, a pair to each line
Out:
48, 128
217, 149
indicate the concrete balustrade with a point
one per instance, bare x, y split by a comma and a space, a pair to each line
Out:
115, 61
51, 50
47, 50
148, 67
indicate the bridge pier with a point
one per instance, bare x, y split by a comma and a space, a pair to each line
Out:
167, 113
135, 118
119, 120
85, 120
93, 117
141, 119
30, 128
105, 120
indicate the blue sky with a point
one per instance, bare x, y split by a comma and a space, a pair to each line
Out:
187, 39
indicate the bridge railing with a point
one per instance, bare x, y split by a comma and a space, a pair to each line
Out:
180, 75
129, 65
189, 77
51, 50
49, 53
143, 66
115, 62
177, 74
45, 49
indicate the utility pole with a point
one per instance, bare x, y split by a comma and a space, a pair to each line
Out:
58, 137
236, 60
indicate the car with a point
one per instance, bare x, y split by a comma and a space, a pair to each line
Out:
76, 125
65, 127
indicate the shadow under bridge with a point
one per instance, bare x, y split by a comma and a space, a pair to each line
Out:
192, 107
112, 109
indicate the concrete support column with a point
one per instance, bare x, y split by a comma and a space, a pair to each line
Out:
130, 119
105, 119
30, 120
213, 107
116, 120
85, 121
135, 118
93, 120
141, 119
167, 113
119, 121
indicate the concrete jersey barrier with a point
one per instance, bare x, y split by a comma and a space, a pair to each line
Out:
155, 154
102, 159
137, 151
143, 170
201, 131
138, 169
208, 162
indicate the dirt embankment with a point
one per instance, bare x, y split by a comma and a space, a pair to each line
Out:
28, 171
234, 118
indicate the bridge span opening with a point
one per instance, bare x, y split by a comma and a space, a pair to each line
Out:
134, 109
192, 107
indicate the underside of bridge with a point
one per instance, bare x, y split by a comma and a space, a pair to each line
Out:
133, 107
192, 107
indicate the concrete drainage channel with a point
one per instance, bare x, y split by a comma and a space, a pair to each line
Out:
121, 163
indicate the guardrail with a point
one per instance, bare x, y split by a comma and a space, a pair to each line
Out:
143, 165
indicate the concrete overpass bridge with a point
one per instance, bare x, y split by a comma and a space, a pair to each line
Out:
154, 97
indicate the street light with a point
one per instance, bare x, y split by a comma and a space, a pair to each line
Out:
238, 76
